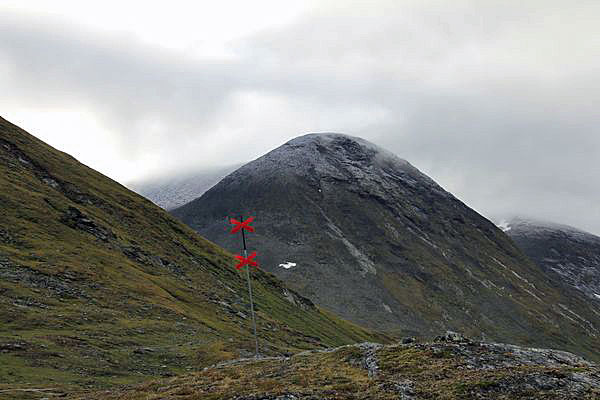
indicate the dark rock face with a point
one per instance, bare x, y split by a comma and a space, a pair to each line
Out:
365, 234
61, 287
77, 220
568, 255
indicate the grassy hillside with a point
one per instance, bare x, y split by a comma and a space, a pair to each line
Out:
99, 286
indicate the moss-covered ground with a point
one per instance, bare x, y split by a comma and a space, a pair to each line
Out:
416, 371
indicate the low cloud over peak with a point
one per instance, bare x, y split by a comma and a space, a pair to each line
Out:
494, 100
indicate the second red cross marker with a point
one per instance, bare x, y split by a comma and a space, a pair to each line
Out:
249, 261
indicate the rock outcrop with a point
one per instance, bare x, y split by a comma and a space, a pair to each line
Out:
453, 368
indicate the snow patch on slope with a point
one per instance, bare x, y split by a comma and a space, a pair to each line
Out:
367, 266
504, 225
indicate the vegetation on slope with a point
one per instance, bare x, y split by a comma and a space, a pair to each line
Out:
454, 369
99, 286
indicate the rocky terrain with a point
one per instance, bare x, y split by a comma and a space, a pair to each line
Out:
365, 234
452, 367
103, 295
98, 286
172, 191
568, 255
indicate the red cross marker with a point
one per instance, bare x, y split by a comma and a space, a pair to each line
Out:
247, 261
239, 225
250, 262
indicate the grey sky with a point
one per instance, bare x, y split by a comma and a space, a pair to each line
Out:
496, 100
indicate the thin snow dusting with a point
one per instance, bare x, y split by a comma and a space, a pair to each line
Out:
387, 308
531, 226
287, 265
380, 157
500, 263
592, 331
521, 279
367, 266
504, 225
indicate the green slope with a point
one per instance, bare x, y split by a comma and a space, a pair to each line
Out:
100, 286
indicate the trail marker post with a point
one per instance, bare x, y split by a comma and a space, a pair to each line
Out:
242, 225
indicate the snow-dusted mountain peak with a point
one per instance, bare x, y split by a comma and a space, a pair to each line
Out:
318, 156
345, 142
536, 227
567, 253
365, 229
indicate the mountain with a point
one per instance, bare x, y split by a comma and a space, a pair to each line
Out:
368, 236
569, 255
99, 286
451, 368
172, 191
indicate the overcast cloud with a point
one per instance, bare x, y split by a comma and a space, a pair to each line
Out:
496, 100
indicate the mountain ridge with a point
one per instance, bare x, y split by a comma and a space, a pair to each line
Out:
569, 255
383, 245
171, 191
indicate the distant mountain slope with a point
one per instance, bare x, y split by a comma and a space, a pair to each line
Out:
367, 235
99, 286
173, 191
570, 253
